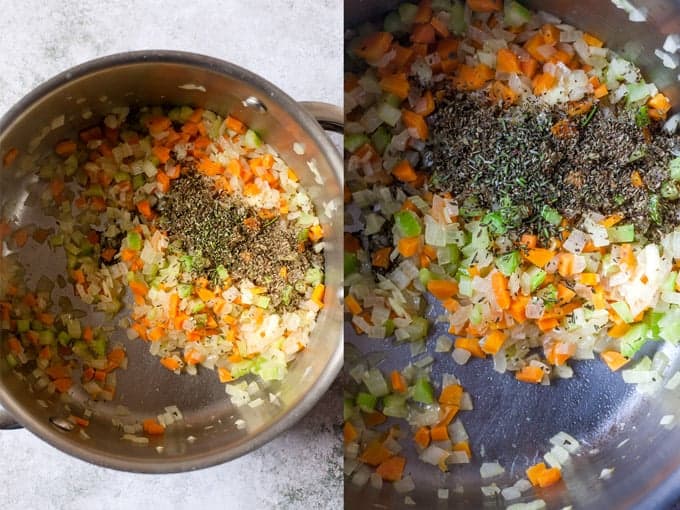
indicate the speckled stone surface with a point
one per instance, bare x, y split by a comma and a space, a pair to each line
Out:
297, 45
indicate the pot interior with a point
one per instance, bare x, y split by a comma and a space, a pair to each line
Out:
79, 99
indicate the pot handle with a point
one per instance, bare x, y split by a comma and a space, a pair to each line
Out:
329, 116
7, 422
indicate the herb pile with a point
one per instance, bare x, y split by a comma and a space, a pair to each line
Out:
531, 164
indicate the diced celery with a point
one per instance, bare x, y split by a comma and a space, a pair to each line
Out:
185, 290
654, 209
476, 315
407, 224
366, 401
551, 215
121, 176
674, 169
422, 391
303, 235
670, 191
395, 405
134, 240
381, 138
375, 382
241, 368
638, 92
471, 208
23, 325
457, 23
252, 139
347, 408
222, 273
652, 320
351, 263
46, 337
286, 294
389, 327
509, 262
407, 13
418, 329
668, 284
441, 5
392, 99
494, 221
465, 286
536, 277
314, 276
196, 306
138, 181
63, 338
548, 294
515, 14
454, 254
11, 360
94, 190
634, 339
667, 326
73, 328
393, 23
388, 113
98, 346
354, 140
621, 233
262, 301
623, 311
642, 117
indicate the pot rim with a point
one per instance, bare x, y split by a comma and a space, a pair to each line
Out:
334, 364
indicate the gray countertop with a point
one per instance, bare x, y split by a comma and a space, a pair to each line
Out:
297, 45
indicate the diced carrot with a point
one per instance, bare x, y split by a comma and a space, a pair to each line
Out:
14, 345
93, 133
636, 179
547, 324
65, 148
88, 333
193, 357
381, 257
404, 172
530, 374
442, 289
318, 294
529, 67
349, 432
63, 385
170, 363
439, 433
549, 477
591, 40
518, 307
153, 428
392, 469
494, 341
414, 121
473, 78
451, 395
532, 45
564, 293
500, 92
485, 5
353, 305
425, 105
396, 84
539, 256
565, 264
20, 237
660, 102
408, 246
440, 27
375, 454
542, 83
499, 284
374, 46
224, 375
422, 437
138, 287
423, 33
529, 241
163, 181
507, 62
589, 279
534, 471
550, 33
57, 187
173, 306
127, 255
618, 330
162, 153
10, 157
601, 91
156, 333
144, 207
627, 256
205, 294
424, 12
374, 418
398, 382
210, 167
471, 345
58, 372
614, 359
315, 233
463, 446
98, 204
78, 275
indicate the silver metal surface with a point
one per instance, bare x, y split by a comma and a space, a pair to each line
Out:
513, 421
83, 94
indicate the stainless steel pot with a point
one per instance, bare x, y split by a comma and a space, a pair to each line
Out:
619, 428
82, 95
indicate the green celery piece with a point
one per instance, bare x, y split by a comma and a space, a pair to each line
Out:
407, 12
392, 100
465, 286
252, 139
509, 262
23, 325
46, 337
347, 408
621, 233
98, 346
381, 138
425, 275
623, 311
669, 283
351, 263
393, 23
476, 315
515, 14
674, 169
286, 294
222, 273
670, 191
11, 360
354, 140
138, 181
537, 277
366, 401
634, 339
423, 392
407, 224
134, 240
389, 327
495, 222
652, 320
457, 23
375, 382
185, 290
63, 338
642, 117
314, 276
395, 405
654, 211
419, 328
